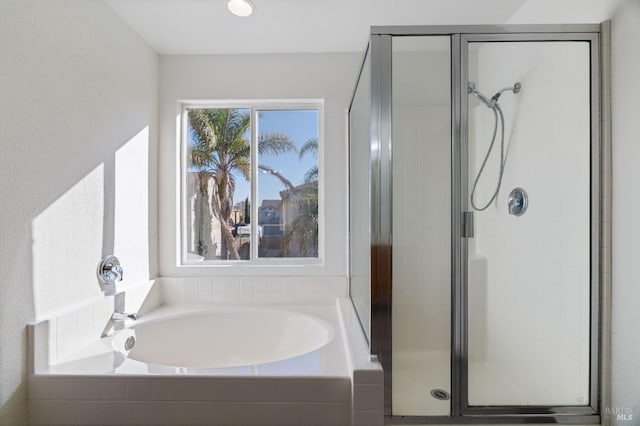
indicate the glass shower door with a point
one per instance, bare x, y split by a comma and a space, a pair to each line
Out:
421, 199
529, 271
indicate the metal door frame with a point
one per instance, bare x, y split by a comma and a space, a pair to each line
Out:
381, 137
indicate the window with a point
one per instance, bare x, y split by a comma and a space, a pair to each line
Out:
250, 182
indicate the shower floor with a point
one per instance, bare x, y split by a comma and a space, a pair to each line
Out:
416, 374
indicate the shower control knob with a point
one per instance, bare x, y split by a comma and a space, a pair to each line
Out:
109, 270
518, 202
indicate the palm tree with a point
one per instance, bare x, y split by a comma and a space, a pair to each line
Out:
304, 228
310, 146
219, 148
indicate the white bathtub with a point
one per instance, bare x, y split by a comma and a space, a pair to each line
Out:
210, 365
224, 338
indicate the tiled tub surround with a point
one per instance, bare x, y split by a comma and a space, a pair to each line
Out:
87, 383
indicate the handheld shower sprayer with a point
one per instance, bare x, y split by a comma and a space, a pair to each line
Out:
515, 89
493, 105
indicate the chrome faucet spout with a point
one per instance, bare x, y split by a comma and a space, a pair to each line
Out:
119, 316
123, 316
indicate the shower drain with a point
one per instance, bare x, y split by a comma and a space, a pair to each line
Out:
440, 394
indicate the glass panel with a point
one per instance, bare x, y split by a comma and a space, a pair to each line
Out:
359, 199
217, 183
287, 183
421, 315
529, 275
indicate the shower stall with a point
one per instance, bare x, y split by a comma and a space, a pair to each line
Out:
477, 249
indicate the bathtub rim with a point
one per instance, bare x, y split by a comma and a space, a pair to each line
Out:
97, 358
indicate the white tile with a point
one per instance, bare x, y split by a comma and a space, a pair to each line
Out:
292, 414
114, 413
87, 413
84, 317
102, 311
205, 291
219, 297
289, 298
52, 332
261, 293
138, 389
144, 413
304, 293
172, 290
288, 284
65, 346
87, 388
232, 286
53, 413
368, 418
52, 351
37, 413
368, 397
39, 388
66, 326
177, 389
247, 290
113, 389
39, 338
368, 377
219, 285
214, 413
274, 289
217, 390
191, 290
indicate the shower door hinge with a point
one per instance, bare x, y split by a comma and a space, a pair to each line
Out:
467, 225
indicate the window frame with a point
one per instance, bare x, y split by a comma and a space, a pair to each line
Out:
255, 106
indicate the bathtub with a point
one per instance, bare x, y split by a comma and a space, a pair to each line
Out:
244, 365
224, 337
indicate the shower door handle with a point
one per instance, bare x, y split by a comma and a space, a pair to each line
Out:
467, 225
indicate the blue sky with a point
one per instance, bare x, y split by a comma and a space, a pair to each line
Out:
300, 125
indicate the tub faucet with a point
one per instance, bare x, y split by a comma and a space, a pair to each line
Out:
118, 317
123, 316
117, 321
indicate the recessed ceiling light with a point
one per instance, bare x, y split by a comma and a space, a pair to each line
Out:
242, 8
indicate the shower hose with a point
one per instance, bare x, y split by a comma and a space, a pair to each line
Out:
497, 113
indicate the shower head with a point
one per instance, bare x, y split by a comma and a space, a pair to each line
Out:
515, 89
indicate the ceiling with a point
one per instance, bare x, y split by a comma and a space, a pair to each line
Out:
205, 27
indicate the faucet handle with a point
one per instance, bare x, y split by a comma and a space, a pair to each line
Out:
109, 270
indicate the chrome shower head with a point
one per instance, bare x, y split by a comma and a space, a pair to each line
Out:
515, 89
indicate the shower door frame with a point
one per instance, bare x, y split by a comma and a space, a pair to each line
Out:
381, 285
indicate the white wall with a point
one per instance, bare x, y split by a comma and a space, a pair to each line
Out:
78, 114
264, 77
625, 93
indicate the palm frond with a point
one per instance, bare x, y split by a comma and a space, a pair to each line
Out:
310, 146
275, 143
311, 174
